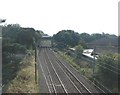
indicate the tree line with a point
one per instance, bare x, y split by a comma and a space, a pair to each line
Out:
70, 38
105, 63
16, 39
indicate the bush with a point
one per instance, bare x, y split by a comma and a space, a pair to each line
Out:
79, 50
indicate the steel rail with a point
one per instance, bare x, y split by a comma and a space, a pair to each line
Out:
53, 86
73, 75
88, 79
44, 76
69, 78
97, 86
57, 74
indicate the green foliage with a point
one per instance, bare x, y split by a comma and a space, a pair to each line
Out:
96, 36
60, 46
10, 48
71, 38
83, 43
17, 40
108, 78
88, 38
79, 50
13, 47
21, 35
68, 37
11, 31
25, 37
85, 37
117, 59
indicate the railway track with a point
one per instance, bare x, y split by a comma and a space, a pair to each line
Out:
54, 82
76, 83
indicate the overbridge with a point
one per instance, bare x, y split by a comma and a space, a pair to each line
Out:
46, 42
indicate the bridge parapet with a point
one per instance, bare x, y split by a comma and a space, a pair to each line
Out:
46, 38
46, 42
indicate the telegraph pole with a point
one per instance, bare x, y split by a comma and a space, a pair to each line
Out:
94, 60
35, 60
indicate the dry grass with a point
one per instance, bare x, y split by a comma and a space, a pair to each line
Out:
69, 60
81, 66
24, 82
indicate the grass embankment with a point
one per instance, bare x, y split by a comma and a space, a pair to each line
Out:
80, 65
24, 82
86, 69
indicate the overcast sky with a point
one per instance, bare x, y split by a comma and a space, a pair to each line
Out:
51, 16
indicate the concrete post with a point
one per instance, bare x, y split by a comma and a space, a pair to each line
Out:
0, 59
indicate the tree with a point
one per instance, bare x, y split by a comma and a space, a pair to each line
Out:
83, 43
10, 48
88, 38
26, 36
85, 37
79, 50
96, 36
11, 31
21, 35
68, 37
16, 39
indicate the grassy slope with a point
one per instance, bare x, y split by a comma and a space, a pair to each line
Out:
24, 82
85, 70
